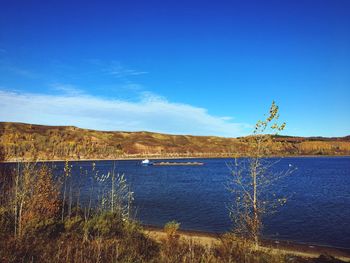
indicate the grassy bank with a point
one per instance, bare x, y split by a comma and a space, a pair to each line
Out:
105, 238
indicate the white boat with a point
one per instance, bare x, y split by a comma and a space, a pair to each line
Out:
146, 162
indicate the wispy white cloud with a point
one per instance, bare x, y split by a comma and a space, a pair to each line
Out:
67, 89
151, 113
118, 70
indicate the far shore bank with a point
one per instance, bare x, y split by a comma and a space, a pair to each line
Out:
273, 245
167, 158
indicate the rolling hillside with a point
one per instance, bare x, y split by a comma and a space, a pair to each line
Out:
28, 142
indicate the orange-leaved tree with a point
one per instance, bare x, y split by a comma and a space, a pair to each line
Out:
44, 200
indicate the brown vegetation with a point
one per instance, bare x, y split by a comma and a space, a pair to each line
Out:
20, 141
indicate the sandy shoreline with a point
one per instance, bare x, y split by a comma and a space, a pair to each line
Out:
274, 246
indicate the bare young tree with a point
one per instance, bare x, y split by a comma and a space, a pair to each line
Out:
117, 198
252, 178
67, 182
23, 188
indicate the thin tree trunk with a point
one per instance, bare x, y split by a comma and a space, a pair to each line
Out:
256, 222
255, 208
64, 198
16, 199
113, 188
20, 218
70, 198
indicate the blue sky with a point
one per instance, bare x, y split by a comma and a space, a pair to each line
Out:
183, 67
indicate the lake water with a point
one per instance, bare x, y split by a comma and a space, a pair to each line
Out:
317, 211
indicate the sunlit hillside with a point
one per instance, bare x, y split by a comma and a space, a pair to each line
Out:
27, 141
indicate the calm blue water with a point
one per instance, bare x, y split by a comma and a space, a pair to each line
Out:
317, 211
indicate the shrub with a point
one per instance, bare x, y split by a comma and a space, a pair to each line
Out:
130, 228
171, 228
43, 229
106, 225
74, 225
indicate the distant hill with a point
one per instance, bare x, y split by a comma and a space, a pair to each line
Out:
29, 141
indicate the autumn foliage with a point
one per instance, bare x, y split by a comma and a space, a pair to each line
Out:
20, 141
44, 201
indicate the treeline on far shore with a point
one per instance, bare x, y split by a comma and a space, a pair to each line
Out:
20, 141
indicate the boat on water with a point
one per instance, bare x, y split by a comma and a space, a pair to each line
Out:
146, 162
